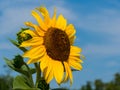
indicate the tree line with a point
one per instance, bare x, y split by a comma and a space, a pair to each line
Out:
7, 80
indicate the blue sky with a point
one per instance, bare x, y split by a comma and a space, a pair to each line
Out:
97, 23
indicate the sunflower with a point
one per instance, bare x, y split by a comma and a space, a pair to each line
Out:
52, 46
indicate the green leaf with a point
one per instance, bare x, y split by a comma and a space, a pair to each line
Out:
42, 84
32, 70
22, 83
18, 45
9, 63
23, 70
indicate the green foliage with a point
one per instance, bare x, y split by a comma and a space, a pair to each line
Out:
18, 61
88, 86
24, 69
83, 88
117, 79
99, 85
43, 85
61, 89
6, 82
21, 82
25, 80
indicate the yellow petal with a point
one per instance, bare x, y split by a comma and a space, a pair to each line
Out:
45, 14
33, 60
39, 31
39, 20
75, 64
70, 30
77, 59
53, 18
74, 54
75, 49
35, 41
30, 24
48, 72
35, 52
31, 32
44, 62
68, 70
50, 77
48, 69
72, 39
58, 71
61, 23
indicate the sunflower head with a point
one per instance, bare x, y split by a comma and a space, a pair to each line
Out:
52, 45
57, 44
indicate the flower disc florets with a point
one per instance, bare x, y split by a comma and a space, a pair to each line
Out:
57, 44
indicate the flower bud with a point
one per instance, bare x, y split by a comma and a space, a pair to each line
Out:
18, 61
22, 36
43, 85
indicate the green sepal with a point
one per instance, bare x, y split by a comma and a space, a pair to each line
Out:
42, 84
23, 83
23, 70
74, 70
18, 61
18, 45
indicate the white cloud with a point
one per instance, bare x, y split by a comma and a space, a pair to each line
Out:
12, 19
113, 64
67, 13
106, 23
103, 21
102, 50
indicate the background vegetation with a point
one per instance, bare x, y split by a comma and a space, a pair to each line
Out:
7, 80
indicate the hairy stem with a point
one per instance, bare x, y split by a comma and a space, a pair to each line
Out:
38, 73
30, 74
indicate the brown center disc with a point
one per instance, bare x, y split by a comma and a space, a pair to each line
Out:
57, 44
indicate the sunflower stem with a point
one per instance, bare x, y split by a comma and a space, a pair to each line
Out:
30, 74
38, 74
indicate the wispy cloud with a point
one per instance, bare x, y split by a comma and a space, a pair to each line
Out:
104, 21
113, 64
102, 50
13, 18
